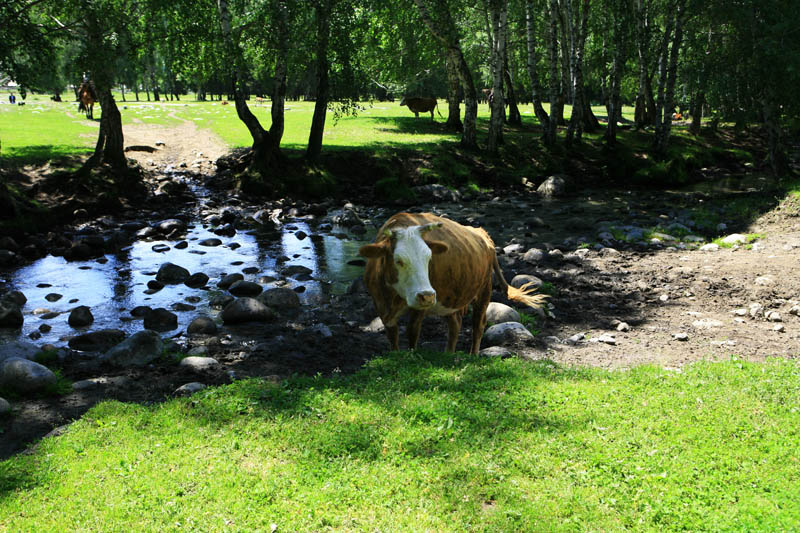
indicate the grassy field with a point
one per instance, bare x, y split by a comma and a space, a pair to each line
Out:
42, 130
426, 442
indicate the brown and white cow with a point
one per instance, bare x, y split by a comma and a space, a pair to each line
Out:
425, 264
420, 105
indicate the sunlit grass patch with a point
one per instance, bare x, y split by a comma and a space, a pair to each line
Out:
428, 441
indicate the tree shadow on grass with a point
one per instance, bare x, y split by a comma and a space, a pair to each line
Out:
59, 154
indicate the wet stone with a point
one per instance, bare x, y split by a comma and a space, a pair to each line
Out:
196, 280
245, 288
160, 248
220, 301
181, 245
10, 315
97, 341
210, 242
160, 319
203, 325
80, 317
229, 280
244, 310
172, 273
182, 307
53, 297
24, 376
155, 285
250, 270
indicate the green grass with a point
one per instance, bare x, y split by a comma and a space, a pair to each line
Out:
428, 442
750, 238
530, 322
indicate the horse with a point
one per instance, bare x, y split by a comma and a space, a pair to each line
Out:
86, 99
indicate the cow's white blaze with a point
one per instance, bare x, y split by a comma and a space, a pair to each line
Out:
411, 259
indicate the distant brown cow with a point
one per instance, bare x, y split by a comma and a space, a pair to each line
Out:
420, 105
87, 96
431, 265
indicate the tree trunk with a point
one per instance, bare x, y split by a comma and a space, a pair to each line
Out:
499, 13
552, 126
663, 132
514, 116
778, 161
642, 41
265, 152
697, 112
281, 68
536, 89
565, 85
453, 101
614, 105
109, 148
444, 29
122, 89
577, 120
323, 16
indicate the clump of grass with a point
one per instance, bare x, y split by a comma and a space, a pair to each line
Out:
530, 322
61, 387
750, 238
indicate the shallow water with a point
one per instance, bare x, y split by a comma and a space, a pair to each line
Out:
113, 285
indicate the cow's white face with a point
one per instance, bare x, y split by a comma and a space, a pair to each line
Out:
412, 256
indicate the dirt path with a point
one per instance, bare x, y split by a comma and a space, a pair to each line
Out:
183, 143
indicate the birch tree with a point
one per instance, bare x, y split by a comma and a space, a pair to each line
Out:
439, 21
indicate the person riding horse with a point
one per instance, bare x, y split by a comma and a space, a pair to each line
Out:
86, 99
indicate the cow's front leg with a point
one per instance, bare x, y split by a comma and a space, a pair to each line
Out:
453, 329
414, 325
393, 334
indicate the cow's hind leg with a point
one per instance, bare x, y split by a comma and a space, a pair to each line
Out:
414, 325
453, 329
479, 306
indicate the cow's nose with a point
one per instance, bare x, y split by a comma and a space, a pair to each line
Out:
426, 298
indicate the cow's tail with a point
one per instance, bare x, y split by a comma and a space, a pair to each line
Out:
522, 295
437, 110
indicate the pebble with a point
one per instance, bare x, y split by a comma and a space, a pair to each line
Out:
680, 336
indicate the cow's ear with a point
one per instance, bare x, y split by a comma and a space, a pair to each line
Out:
373, 251
437, 247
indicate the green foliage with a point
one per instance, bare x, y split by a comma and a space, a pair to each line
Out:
426, 441
530, 322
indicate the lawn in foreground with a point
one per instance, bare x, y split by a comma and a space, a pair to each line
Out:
426, 441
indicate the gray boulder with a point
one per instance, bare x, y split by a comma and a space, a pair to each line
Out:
280, 298
521, 279
160, 319
199, 364
171, 273
498, 313
15, 297
5, 407
534, 255
245, 288
496, 351
24, 376
139, 349
229, 280
246, 310
19, 349
189, 389
202, 325
197, 280
553, 186
506, 333
80, 316
10, 315
96, 341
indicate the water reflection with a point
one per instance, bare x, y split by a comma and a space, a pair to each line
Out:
113, 286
